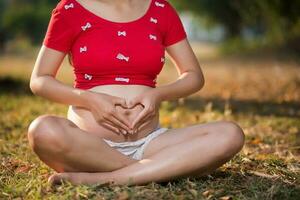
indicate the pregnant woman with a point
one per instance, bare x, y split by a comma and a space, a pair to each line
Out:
112, 132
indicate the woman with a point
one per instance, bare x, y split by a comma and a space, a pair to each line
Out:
112, 132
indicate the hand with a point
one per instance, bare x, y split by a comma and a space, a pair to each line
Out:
150, 101
103, 109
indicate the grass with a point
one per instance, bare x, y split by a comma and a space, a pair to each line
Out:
262, 95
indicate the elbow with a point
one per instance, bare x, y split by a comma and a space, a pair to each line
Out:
35, 85
200, 81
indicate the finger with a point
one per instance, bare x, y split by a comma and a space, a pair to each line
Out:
133, 102
106, 123
140, 116
110, 127
120, 101
141, 124
120, 130
109, 124
115, 123
145, 120
116, 118
145, 123
121, 120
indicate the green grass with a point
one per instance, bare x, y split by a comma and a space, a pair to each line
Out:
262, 96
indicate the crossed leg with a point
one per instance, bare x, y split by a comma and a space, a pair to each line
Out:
63, 146
191, 151
229, 135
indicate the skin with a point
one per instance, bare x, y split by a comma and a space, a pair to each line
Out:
74, 148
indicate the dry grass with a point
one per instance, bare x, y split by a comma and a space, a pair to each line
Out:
262, 95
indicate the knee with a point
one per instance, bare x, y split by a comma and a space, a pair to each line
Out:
233, 136
46, 132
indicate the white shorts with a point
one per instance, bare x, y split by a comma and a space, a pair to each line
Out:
135, 149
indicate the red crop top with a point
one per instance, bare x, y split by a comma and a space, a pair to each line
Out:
108, 52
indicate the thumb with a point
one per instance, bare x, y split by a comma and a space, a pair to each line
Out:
121, 102
133, 102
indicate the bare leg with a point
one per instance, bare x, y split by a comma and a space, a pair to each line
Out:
60, 144
196, 154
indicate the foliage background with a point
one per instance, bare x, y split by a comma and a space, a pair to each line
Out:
252, 77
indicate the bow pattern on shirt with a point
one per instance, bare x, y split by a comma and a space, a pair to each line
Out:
122, 79
159, 4
71, 5
88, 77
88, 25
82, 49
152, 37
153, 20
122, 57
121, 33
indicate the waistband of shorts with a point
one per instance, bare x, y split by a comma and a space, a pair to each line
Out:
134, 142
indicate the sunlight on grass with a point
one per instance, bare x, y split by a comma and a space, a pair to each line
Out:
261, 95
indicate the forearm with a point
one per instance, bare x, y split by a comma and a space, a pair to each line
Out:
54, 90
186, 84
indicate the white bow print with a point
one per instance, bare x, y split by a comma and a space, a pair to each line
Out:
122, 79
83, 49
71, 5
153, 20
152, 37
122, 33
122, 57
88, 25
86, 76
159, 4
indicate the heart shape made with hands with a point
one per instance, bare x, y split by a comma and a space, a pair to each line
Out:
129, 114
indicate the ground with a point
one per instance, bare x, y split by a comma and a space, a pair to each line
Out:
262, 94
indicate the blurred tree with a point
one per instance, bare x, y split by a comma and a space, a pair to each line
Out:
24, 18
2, 30
277, 21
221, 12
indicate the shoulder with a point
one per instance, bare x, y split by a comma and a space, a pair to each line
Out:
63, 5
166, 2
66, 12
165, 8
163, 4
64, 8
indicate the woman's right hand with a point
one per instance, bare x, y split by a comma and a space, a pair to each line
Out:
103, 108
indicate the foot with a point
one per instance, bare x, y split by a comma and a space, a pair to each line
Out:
77, 178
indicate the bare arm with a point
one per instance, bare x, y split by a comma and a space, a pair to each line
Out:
43, 82
190, 78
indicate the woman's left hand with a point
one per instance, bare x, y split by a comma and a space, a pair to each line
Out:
150, 101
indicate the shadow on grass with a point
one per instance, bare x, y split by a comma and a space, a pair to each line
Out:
247, 185
266, 108
14, 86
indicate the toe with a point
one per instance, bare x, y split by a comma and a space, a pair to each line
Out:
56, 179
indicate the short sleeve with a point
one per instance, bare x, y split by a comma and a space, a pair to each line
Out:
175, 31
59, 34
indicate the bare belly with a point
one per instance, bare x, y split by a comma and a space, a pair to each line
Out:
84, 119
